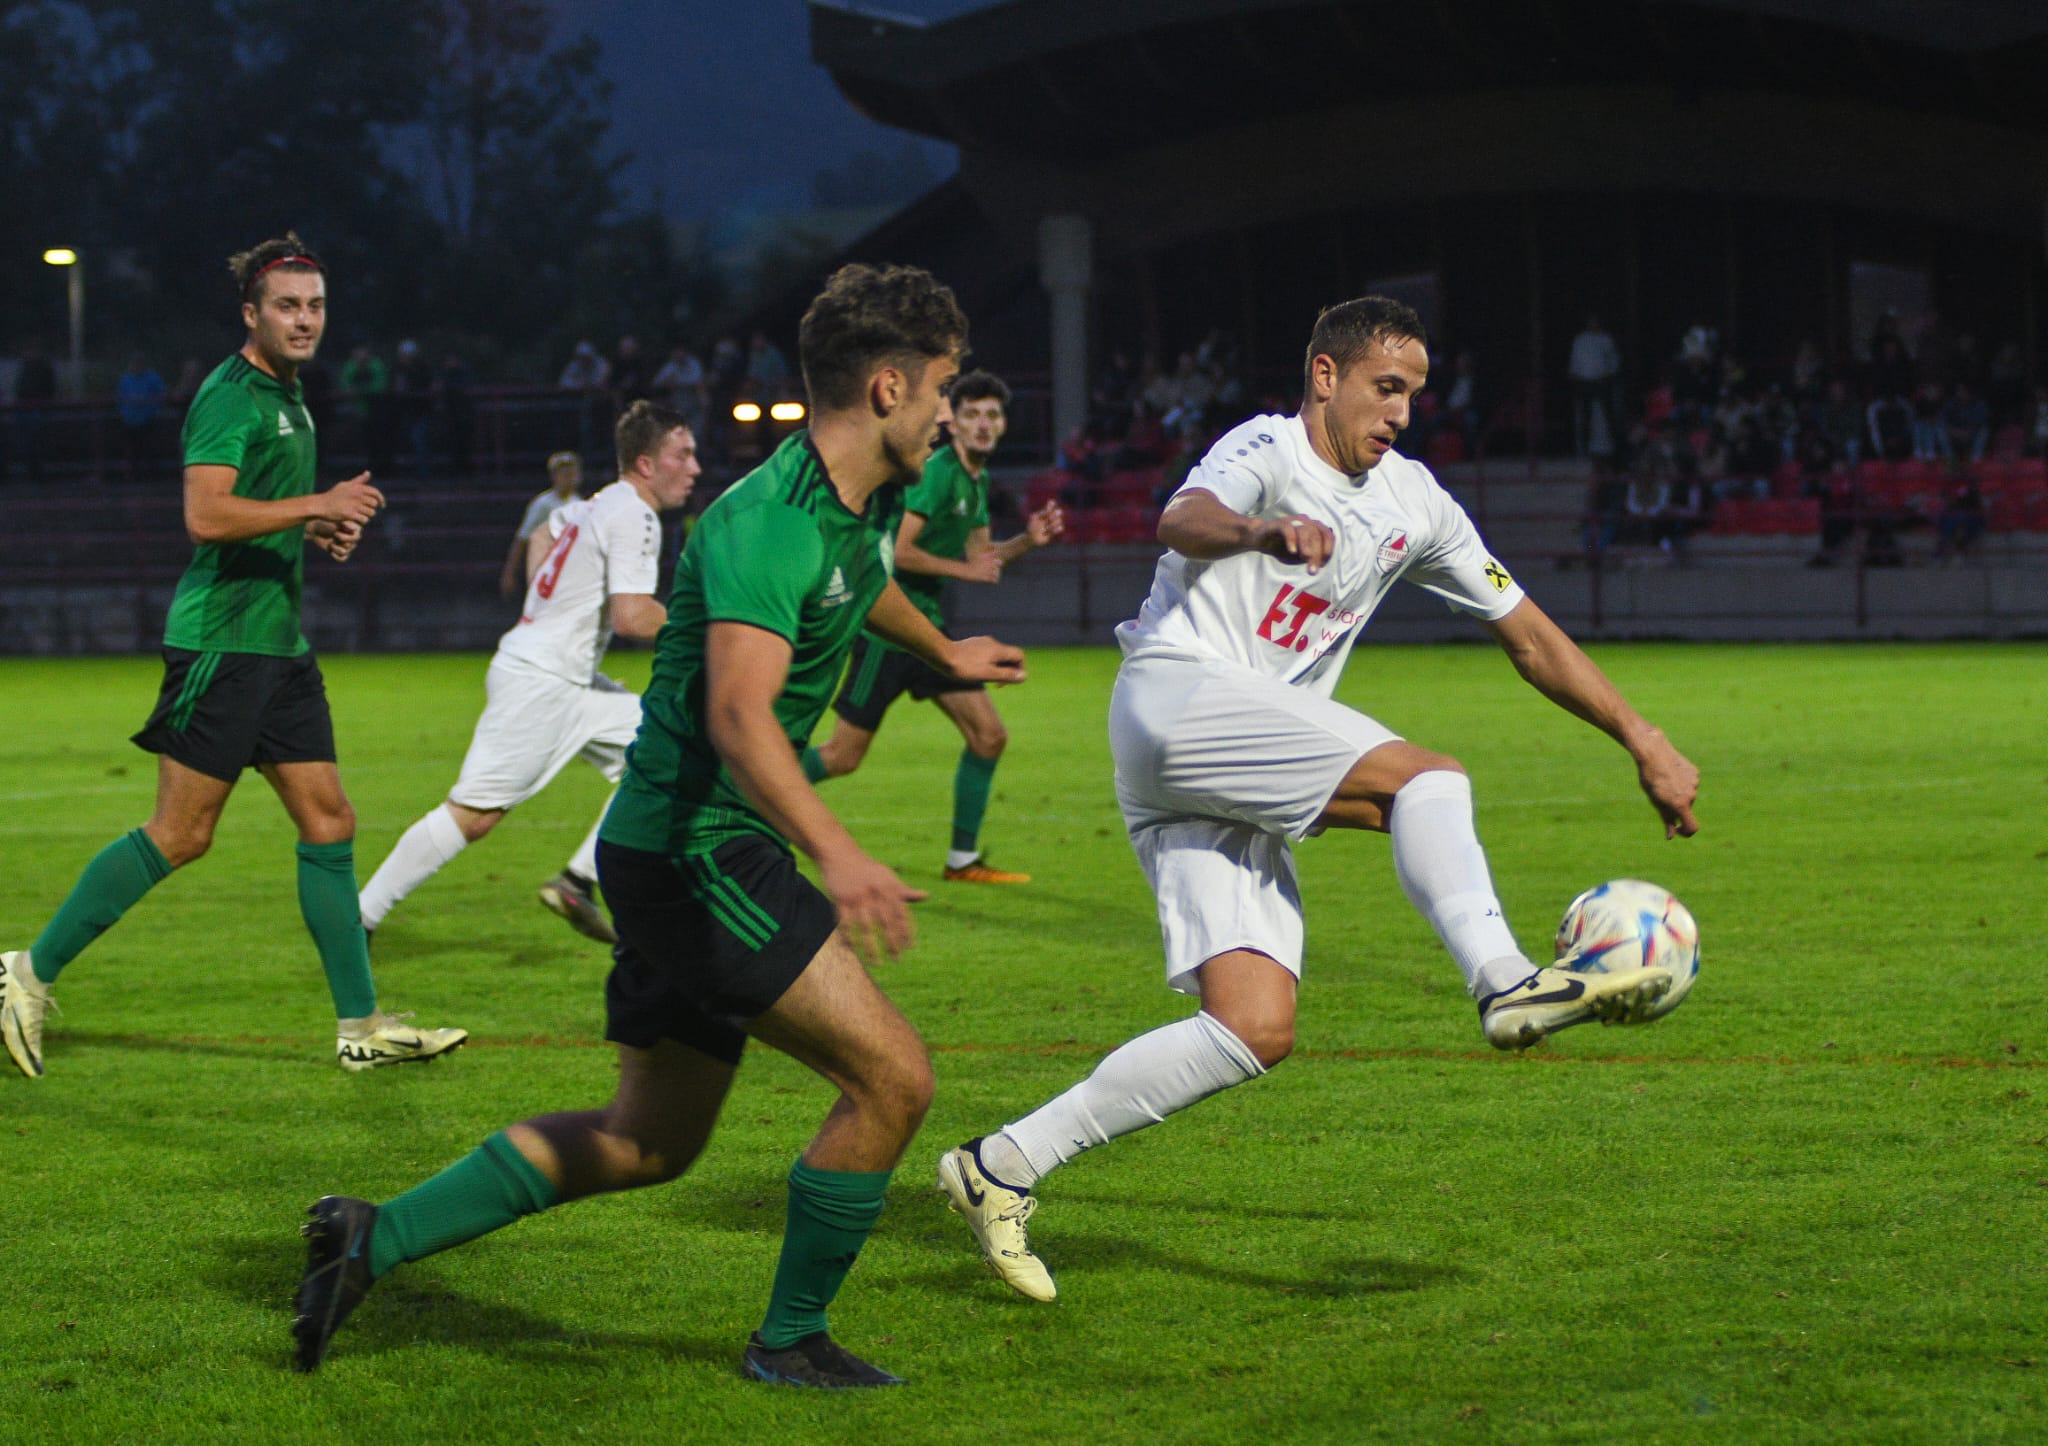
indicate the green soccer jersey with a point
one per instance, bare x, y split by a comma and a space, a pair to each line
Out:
780, 551
953, 502
243, 597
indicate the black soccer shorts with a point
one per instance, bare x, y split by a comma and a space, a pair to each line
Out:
707, 942
219, 713
877, 675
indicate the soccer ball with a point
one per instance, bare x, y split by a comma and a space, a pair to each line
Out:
1626, 922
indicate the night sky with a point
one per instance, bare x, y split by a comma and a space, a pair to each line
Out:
720, 103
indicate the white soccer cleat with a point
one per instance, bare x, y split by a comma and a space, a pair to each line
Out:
392, 1039
1554, 999
996, 1214
24, 1000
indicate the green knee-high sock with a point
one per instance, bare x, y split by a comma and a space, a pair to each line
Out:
492, 1186
327, 902
813, 765
971, 783
830, 1215
118, 876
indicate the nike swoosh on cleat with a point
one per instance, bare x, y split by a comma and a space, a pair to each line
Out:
1564, 995
974, 1196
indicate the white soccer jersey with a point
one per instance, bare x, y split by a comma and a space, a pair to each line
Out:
604, 545
1274, 617
540, 510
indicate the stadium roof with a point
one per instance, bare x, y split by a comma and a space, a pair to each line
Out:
1070, 80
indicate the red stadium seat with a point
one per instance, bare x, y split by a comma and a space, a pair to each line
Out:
1786, 480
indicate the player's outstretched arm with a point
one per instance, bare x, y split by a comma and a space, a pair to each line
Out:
1559, 669
213, 513
912, 558
1196, 524
745, 668
895, 619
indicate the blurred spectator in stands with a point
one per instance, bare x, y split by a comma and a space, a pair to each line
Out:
588, 375
1155, 387
767, 369
457, 412
2005, 386
1752, 454
1710, 462
1965, 424
1840, 420
139, 399
565, 478
1930, 441
1696, 374
363, 380
727, 374
1659, 403
1890, 373
1607, 510
1109, 399
1460, 408
1193, 391
1836, 489
1888, 423
1809, 373
35, 387
1144, 442
412, 390
1681, 507
1962, 518
630, 381
1595, 373
679, 386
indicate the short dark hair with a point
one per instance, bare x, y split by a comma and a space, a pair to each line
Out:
871, 316
641, 429
979, 386
1347, 331
279, 253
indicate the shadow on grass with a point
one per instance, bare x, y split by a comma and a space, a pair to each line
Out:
400, 1314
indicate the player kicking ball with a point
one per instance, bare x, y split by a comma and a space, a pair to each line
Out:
945, 535
241, 687
595, 565
1228, 747
720, 937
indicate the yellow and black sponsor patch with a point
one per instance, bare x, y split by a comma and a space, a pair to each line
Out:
1497, 575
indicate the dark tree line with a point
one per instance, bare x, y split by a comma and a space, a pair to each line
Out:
448, 158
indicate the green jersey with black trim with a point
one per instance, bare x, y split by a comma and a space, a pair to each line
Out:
953, 502
778, 550
243, 597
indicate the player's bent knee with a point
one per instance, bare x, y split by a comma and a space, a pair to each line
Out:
1270, 1040
901, 1093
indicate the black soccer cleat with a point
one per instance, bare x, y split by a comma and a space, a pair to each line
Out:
337, 1273
814, 1360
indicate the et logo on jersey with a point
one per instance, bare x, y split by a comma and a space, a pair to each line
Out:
1303, 607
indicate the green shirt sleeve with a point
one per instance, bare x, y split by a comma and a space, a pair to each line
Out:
759, 566
217, 427
980, 516
929, 495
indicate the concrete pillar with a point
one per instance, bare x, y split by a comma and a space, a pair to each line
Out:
1066, 265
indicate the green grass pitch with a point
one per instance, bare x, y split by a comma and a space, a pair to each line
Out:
1808, 1206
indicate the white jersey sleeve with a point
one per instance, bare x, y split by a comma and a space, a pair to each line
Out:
1454, 563
540, 510
607, 544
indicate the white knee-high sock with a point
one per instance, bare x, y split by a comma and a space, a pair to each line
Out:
1443, 872
1137, 1084
422, 850
584, 864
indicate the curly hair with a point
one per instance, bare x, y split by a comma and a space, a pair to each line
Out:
979, 386
280, 253
872, 316
1347, 331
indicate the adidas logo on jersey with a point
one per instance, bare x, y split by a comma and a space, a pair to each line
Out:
837, 593
284, 425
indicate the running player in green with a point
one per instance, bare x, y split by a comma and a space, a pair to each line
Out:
945, 535
241, 688
719, 936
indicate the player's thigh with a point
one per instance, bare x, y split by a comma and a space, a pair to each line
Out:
668, 1098
836, 1019
188, 807
527, 733
1215, 740
1220, 886
974, 713
312, 794
608, 723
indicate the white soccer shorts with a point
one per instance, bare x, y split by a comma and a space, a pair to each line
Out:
533, 723
1217, 768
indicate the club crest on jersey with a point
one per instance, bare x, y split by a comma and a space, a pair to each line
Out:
837, 593
1394, 552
